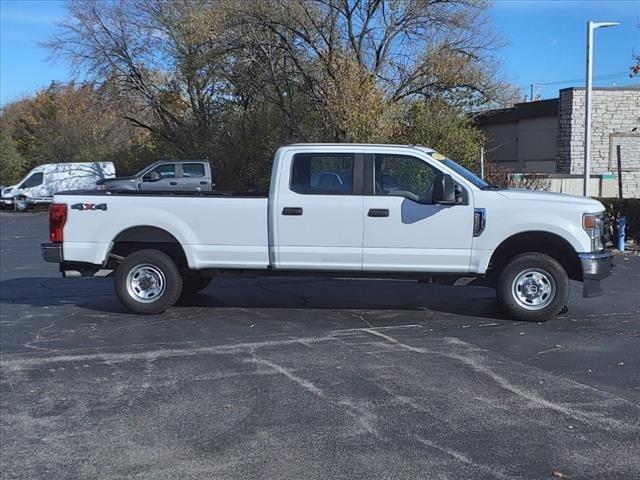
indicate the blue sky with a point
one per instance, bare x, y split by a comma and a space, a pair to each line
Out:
545, 43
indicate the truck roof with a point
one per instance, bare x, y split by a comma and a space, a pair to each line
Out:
377, 145
171, 160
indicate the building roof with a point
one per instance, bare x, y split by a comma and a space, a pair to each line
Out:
624, 87
540, 108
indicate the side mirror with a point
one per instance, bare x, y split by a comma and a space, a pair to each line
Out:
151, 177
444, 190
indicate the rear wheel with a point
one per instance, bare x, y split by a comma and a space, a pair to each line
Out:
533, 287
148, 282
192, 284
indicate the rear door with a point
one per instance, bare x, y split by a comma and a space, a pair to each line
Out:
318, 211
194, 177
404, 231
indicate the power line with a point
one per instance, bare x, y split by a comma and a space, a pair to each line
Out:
608, 76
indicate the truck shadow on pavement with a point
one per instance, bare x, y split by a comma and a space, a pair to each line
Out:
97, 294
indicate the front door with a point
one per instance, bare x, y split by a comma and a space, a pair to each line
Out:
318, 214
168, 178
403, 229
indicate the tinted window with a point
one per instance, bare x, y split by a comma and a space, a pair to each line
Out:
403, 176
193, 170
322, 173
168, 170
33, 180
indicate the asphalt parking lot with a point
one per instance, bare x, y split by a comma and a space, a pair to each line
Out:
310, 378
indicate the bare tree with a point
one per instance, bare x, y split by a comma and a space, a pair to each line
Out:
412, 48
153, 51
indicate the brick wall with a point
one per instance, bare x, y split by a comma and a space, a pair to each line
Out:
615, 120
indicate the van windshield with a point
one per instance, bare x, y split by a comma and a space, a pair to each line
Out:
467, 174
33, 180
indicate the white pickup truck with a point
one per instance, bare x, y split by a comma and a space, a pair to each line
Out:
339, 210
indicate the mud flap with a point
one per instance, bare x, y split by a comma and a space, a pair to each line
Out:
591, 288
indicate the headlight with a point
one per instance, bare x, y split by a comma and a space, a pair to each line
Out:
593, 224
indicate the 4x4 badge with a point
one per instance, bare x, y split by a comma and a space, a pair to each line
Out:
89, 206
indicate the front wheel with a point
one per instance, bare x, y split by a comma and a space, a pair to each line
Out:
148, 282
533, 287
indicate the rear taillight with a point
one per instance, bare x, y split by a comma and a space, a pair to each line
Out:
57, 219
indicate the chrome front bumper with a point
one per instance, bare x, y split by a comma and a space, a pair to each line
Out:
595, 267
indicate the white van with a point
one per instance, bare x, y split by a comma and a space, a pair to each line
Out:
41, 183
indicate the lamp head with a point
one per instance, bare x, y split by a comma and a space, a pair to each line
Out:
595, 25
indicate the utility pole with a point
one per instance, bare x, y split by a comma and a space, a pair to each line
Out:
533, 87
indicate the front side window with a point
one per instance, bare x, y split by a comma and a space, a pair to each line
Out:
404, 176
33, 181
168, 170
192, 170
322, 173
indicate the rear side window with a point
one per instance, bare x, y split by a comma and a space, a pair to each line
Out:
33, 180
322, 174
192, 170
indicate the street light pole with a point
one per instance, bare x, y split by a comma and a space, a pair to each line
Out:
591, 26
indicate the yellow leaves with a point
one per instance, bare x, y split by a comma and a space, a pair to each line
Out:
355, 105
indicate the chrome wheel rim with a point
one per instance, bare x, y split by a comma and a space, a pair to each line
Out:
146, 283
534, 289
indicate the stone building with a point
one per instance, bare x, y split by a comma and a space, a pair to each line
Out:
547, 137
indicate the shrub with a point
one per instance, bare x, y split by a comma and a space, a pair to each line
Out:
630, 208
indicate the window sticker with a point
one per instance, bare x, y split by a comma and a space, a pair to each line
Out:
438, 156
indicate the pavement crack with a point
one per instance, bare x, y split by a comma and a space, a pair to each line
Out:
364, 320
495, 472
478, 364
307, 385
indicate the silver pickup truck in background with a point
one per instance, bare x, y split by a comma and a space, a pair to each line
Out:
165, 176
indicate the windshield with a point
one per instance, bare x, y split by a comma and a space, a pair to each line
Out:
148, 167
460, 170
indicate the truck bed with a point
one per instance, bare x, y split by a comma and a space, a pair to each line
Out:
217, 230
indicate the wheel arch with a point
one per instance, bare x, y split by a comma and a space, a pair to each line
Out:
142, 237
536, 241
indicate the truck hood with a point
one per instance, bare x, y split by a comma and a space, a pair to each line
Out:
7, 191
588, 204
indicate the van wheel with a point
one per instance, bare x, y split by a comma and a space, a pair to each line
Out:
192, 284
148, 282
533, 287
21, 204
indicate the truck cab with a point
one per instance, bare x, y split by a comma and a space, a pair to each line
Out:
347, 210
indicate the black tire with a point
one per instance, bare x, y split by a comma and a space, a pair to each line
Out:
148, 269
20, 205
523, 283
192, 284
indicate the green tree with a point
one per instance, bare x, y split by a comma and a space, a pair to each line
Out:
76, 123
444, 127
12, 165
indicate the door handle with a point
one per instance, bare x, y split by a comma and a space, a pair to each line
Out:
173, 183
203, 183
378, 212
292, 211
